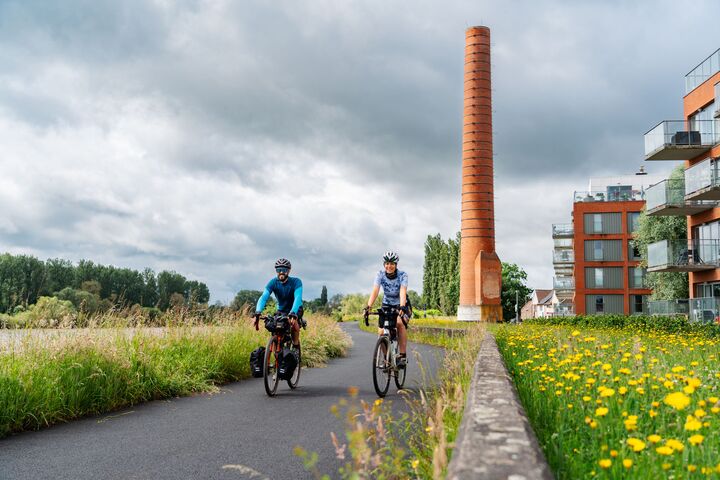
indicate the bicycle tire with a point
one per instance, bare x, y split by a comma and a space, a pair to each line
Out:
296, 374
270, 371
381, 367
400, 376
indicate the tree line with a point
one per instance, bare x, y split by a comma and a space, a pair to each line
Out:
24, 279
441, 278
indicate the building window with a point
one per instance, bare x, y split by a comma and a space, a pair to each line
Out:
637, 277
599, 304
638, 303
633, 221
597, 250
633, 251
598, 277
597, 222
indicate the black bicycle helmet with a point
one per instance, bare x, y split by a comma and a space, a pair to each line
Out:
283, 263
391, 256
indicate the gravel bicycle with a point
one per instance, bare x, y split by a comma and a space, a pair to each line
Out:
279, 345
385, 355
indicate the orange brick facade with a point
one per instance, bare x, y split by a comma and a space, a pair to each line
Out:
579, 211
693, 101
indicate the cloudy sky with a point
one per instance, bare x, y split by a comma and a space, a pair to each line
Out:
211, 137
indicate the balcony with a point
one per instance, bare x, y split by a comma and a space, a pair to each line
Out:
563, 230
609, 196
563, 256
680, 139
668, 198
563, 283
705, 310
669, 308
703, 181
683, 255
707, 68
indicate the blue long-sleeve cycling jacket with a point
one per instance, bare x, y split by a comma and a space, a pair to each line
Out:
288, 295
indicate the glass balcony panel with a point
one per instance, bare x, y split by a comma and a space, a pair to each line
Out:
563, 256
680, 139
698, 177
669, 196
683, 255
669, 307
563, 229
707, 68
609, 196
705, 310
564, 283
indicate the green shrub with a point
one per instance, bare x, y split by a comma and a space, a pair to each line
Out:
671, 324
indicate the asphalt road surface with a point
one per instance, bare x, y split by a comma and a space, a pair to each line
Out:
239, 433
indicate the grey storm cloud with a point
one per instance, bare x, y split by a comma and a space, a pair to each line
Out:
211, 137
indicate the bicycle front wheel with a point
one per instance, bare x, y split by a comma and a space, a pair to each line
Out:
270, 367
293, 381
381, 366
400, 376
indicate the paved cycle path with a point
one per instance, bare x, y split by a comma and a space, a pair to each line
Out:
238, 433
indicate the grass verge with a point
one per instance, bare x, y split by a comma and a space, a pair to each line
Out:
49, 379
619, 402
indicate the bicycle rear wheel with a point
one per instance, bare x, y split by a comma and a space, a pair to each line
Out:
270, 367
381, 366
293, 381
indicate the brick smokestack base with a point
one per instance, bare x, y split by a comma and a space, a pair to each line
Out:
480, 268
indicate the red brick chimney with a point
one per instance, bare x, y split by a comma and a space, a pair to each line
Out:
480, 270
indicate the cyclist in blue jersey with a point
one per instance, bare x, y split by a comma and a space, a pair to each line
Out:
288, 292
394, 284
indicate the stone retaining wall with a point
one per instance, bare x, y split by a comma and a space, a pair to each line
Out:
495, 440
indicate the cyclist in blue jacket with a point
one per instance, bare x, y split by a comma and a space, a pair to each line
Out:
394, 284
288, 292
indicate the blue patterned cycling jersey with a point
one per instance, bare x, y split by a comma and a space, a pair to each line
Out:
391, 287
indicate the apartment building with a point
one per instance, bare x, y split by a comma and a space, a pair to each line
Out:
606, 273
696, 140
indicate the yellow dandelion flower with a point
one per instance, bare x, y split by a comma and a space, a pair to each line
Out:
666, 466
691, 424
636, 444
575, 333
664, 450
691, 468
415, 463
713, 399
586, 398
677, 400
699, 413
593, 424
668, 384
613, 453
605, 463
688, 389
601, 412
608, 392
652, 413
675, 444
654, 438
696, 439
622, 390
627, 463
715, 409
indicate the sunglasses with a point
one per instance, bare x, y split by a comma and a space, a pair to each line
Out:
282, 270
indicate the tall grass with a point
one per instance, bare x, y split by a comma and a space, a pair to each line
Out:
49, 378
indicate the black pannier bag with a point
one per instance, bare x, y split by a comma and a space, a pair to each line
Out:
277, 324
257, 357
288, 363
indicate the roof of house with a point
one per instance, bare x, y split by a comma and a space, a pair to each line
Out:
542, 294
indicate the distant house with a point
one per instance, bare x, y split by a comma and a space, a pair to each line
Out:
546, 303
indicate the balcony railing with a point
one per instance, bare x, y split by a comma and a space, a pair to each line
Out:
707, 68
609, 196
563, 283
563, 230
568, 311
669, 307
563, 256
668, 198
680, 139
703, 181
683, 255
705, 310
